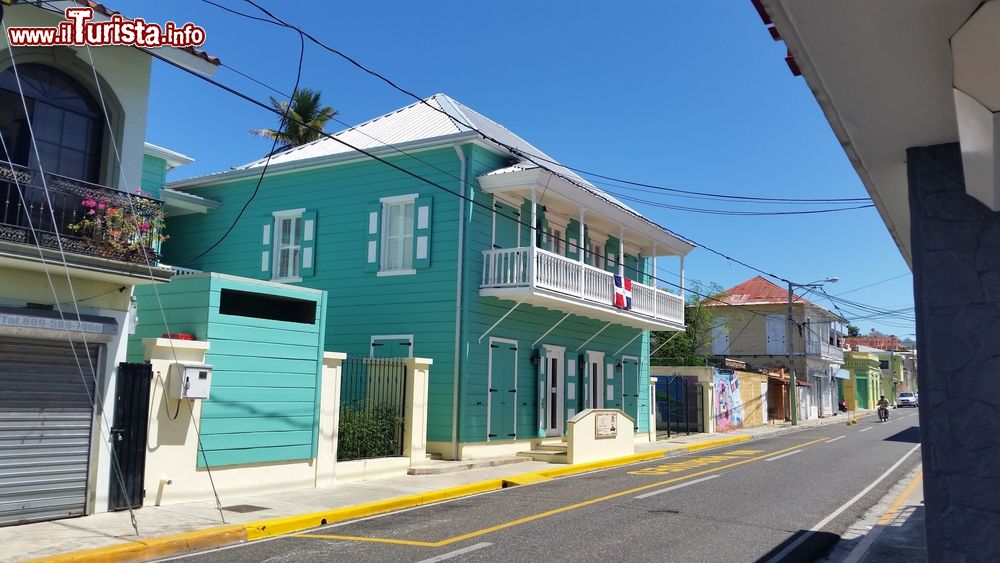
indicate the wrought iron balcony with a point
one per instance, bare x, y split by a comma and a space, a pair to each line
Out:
546, 279
53, 212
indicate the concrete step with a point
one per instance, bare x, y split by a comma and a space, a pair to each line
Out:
548, 456
553, 447
442, 467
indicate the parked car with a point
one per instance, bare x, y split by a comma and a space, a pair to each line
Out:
906, 399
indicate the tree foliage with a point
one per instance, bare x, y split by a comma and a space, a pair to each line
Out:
306, 120
692, 347
853, 330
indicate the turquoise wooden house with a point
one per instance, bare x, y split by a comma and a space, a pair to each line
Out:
510, 289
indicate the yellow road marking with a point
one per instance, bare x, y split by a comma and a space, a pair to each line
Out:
540, 515
893, 511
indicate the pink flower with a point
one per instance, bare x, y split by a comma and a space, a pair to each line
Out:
91, 212
101, 205
144, 226
89, 203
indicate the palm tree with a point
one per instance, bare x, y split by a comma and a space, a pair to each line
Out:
306, 120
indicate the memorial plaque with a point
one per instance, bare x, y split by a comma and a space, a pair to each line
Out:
606, 425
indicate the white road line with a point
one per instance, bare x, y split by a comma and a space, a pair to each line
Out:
819, 526
782, 455
835, 439
457, 552
675, 487
866, 429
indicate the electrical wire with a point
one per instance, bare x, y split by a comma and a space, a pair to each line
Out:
515, 150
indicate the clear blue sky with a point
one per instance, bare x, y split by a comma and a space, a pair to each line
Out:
692, 95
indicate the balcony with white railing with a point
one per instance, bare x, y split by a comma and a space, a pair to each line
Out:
818, 349
545, 279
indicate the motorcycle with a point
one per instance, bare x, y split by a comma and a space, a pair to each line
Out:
883, 414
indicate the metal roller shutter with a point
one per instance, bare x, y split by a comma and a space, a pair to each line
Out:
46, 417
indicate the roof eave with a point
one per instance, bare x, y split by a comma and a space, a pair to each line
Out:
321, 161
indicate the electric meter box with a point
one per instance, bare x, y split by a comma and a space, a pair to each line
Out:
190, 381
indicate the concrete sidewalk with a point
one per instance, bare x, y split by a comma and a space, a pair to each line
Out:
892, 531
179, 528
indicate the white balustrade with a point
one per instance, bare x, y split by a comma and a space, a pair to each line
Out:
526, 267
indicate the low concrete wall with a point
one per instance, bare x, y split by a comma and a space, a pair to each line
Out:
367, 469
583, 440
172, 474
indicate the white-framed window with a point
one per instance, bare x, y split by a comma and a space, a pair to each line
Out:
556, 240
397, 234
598, 261
287, 245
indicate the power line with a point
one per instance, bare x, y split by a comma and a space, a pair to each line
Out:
515, 150
367, 153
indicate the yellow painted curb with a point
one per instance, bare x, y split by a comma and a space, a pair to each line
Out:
716, 443
143, 550
292, 524
222, 535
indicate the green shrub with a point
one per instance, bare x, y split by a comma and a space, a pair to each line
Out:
369, 432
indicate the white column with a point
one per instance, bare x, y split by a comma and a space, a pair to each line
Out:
329, 419
581, 250
682, 279
621, 251
415, 425
652, 409
653, 282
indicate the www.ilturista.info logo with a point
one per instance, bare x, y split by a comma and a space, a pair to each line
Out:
80, 30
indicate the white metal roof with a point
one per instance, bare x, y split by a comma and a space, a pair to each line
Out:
436, 116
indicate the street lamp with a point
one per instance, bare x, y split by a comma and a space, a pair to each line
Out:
788, 341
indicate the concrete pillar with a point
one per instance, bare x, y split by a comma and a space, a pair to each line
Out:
652, 409
172, 437
415, 426
329, 418
956, 282
707, 396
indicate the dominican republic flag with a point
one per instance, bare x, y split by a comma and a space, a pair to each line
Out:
623, 293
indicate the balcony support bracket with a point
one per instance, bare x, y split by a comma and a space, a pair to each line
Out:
553, 327
500, 320
603, 328
629, 343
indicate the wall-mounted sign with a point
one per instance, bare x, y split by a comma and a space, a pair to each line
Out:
23, 321
606, 425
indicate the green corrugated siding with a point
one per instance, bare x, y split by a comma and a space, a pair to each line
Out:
525, 325
154, 175
265, 382
360, 304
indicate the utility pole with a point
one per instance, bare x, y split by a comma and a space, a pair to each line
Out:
792, 383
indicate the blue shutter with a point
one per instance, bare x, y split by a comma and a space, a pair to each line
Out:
266, 232
373, 224
307, 265
423, 218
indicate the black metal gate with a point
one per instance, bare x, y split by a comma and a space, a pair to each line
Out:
128, 436
372, 408
679, 405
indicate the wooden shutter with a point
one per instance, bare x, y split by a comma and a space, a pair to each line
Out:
307, 267
572, 239
373, 224
543, 364
266, 231
423, 218
612, 255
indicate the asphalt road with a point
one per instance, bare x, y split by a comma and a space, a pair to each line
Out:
786, 498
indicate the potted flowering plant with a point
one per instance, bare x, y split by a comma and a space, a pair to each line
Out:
130, 227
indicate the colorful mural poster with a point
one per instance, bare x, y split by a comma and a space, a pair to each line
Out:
728, 403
